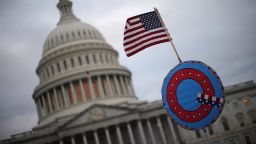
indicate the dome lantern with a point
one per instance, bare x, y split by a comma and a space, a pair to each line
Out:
66, 12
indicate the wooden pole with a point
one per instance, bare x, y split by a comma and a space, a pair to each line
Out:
171, 41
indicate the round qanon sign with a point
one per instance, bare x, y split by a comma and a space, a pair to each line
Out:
193, 94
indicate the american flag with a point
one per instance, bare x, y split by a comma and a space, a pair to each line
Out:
143, 31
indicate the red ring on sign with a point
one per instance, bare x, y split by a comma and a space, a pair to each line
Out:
202, 80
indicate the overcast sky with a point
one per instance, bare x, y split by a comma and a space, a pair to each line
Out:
221, 33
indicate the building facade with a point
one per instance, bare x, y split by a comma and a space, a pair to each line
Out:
86, 97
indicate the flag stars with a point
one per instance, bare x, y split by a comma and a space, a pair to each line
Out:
150, 20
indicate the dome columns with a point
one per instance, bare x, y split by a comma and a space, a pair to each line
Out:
83, 90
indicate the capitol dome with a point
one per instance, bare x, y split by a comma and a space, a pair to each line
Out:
70, 29
78, 68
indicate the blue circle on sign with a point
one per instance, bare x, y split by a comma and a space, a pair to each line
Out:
183, 85
187, 92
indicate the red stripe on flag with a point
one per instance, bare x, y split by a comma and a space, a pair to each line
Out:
151, 33
132, 35
146, 46
133, 29
146, 40
131, 18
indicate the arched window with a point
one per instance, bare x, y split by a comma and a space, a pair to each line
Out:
252, 115
94, 59
65, 65
240, 119
210, 130
101, 59
52, 68
198, 135
48, 73
72, 62
58, 67
87, 59
225, 123
106, 58
84, 32
67, 35
80, 61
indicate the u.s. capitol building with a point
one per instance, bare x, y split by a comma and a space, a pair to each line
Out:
86, 97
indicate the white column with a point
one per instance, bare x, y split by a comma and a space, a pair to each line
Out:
49, 101
45, 105
82, 90
109, 86
56, 99
123, 85
96, 137
84, 139
160, 126
117, 85
64, 96
97, 59
73, 93
91, 88
130, 133
73, 140
128, 86
143, 138
38, 109
151, 132
102, 95
108, 136
119, 135
175, 139
41, 107
130, 83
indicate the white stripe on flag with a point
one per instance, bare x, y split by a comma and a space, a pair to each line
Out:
145, 38
146, 43
134, 26
133, 32
139, 35
134, 20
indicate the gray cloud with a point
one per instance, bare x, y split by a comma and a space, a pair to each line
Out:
219, 33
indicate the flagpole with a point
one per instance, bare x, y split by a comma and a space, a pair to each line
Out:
173, 46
